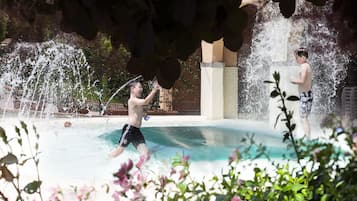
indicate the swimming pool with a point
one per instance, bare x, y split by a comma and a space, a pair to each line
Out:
204, 143
80, 153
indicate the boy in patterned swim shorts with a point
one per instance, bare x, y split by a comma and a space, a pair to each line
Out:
304, 81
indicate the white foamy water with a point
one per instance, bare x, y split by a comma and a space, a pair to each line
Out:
274, 41
43, 77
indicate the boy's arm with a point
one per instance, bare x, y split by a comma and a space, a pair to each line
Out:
303, 76
257, 3
147, 100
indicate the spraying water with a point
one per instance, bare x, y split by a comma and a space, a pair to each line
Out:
116, 92
43, 78
274, 41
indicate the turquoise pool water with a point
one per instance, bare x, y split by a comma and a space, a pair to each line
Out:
204, 143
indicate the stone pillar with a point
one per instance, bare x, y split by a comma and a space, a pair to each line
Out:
219, 81
165, 99
212, 102
230, 84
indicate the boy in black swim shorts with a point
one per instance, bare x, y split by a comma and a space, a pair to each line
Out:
131, 134
131, 131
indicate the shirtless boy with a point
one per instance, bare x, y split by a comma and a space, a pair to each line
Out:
131, 131
304, 81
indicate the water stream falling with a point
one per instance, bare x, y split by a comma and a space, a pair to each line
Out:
117, 91
39, 79
274, 41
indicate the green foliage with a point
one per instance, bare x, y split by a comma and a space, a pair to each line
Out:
8, 159
288, 115
19, 159
189, 77
109, 66
3, 135
325, 164
32, 187
4, 19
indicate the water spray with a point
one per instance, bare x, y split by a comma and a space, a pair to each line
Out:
104, 107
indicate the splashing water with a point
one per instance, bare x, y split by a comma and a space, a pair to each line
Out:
117, 91
43, 78
274, 41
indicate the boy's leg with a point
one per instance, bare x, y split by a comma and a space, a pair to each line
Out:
144, 154
123, 142
116, 152
305, 110
143, 150
306, 125
140, 144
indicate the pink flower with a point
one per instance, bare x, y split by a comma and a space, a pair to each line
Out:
315, 154
84, 192
142, 160
124, 183
347, 154
138, 187
140, 177
124, 176
56, 194
185, 158
136, 196
236, 198
182, 174
235, 156
163, 181
173, 171
124, 170
354, 142
116, 196
129, 165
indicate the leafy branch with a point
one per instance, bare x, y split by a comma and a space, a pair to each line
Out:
19, 160
287, 114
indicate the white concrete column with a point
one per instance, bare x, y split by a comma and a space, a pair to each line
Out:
230, 85
219, 81
212, 101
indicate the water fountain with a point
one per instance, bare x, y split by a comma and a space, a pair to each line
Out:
274, 41
40, 79
44, 78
